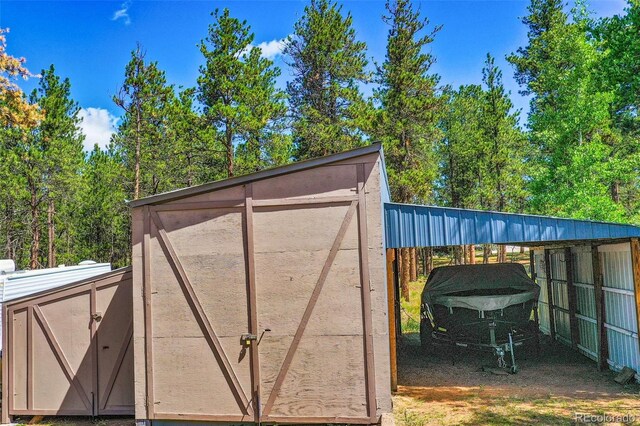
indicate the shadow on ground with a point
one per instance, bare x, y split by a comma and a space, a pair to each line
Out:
449, 387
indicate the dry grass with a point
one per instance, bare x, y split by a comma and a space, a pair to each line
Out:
482, 407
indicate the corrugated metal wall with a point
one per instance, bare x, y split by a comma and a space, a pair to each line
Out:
620, 311
619, 300
541, 279
560, 296
586, 302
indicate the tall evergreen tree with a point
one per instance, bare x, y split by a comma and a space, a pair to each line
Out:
144, 97
328, 64
505, 146
237, 88
103, 218
461, 151
407, 123
52, 159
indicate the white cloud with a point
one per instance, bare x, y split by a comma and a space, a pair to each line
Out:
270, 49
97, 125
123, 13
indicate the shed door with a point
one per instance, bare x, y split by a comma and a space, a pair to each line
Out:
197, 281
114, 347
70, 352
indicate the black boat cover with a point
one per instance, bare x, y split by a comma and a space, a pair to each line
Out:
483, 287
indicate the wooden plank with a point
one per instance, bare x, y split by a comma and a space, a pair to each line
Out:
118, 364
307, 202
94, 350
199, 205
6, 363
573, 299
396, 283
320, 420
30, 380
148, 336
603, 345
251, 296
200, 315
366, 295
635, 264
547, 267
60, 356
534, 276
309, 309
391, 296
196, 417
36, 419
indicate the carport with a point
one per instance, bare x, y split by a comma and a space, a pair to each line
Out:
589, 272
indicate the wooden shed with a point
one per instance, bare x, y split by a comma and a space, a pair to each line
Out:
68, 350
263, 298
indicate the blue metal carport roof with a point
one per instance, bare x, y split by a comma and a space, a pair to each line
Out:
408, 225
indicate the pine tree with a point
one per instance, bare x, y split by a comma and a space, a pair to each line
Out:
504, 145
103, 220
237, 88
461, 152
52, 159
328, 64
142, 135
407, 122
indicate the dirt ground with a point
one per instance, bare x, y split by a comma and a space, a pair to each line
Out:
549, 389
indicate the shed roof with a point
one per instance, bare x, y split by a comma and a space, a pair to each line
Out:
78, 282
264, 174
408, 225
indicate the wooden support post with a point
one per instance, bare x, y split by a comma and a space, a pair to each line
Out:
396, 278
603, 345
573, 299
532, 265
391, 303
536, 315
635, 265
547, 267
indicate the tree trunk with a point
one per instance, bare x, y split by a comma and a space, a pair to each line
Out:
521, 249
486, 252
136, 178
35, 230
457, 255
229, 142
615, 192
405, 262
502, 253
52, 234
472, 254
428, 255
413, 266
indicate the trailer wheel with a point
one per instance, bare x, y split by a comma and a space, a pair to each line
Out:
426, 336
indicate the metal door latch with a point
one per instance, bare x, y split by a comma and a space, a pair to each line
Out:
97, 317
248, 338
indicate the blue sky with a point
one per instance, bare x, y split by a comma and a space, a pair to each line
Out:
90, 41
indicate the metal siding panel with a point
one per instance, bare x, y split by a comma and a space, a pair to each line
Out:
415, 225
620, 310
